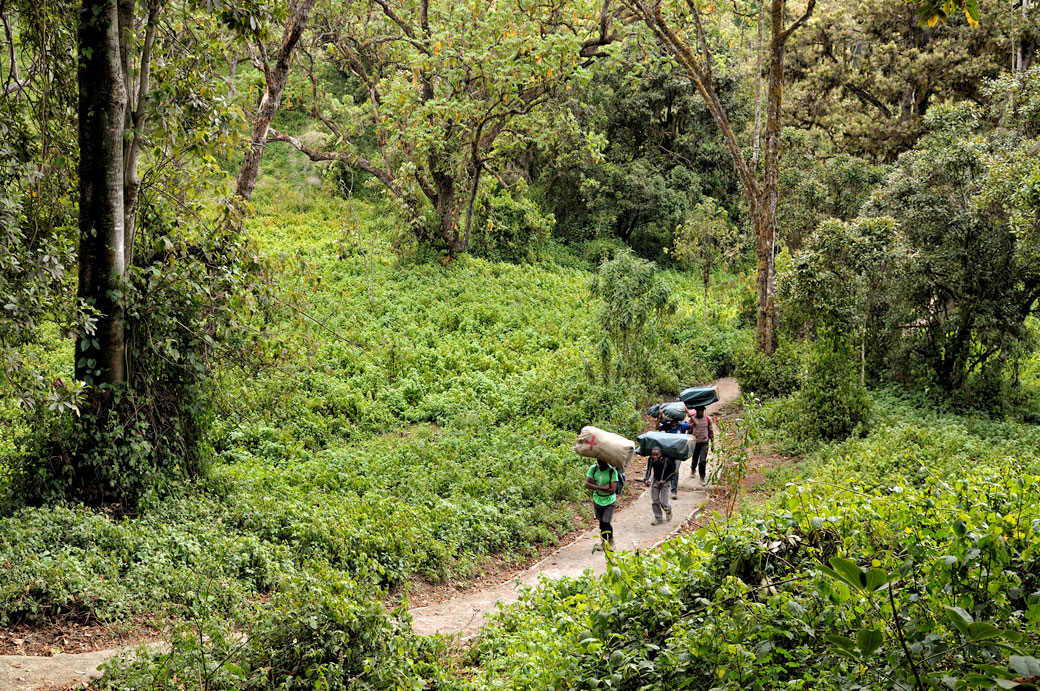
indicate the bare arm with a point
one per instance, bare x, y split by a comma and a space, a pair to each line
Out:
609, 488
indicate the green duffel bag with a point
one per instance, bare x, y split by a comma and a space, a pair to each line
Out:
674, 446
674, 411
699, 396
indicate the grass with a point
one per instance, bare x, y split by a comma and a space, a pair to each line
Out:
418, 420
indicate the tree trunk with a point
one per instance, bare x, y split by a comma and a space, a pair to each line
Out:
765, 235
135, 121
474, 190
756, 142
446, 207
274, 85
706, 277
100, 359
863, 355
764, 266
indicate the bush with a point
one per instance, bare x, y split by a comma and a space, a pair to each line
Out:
323, 633
767, 376
710, 347
510, 227
831, 404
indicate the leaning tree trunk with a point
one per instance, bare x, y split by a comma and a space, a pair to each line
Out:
274, 85
100, 358
761, 196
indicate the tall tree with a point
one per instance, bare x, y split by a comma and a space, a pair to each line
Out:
761, 194
441, 86
274, 84
101, 356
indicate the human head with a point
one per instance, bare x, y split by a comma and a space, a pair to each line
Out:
656, 454
601, 463
700, 411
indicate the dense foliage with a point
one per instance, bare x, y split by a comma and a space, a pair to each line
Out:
776, 599
424, 417
477, 228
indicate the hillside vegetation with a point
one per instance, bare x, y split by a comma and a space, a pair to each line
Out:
303, 304
417, 420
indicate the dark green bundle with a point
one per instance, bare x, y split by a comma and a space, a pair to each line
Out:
674, 411
699, 396
674, 446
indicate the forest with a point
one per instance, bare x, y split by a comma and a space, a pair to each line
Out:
304, 303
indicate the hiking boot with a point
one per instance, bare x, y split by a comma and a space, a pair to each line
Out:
704, 481
598, 547
675, 495
667, 514
657, 521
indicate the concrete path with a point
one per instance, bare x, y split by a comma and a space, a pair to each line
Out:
463, 615
27, 672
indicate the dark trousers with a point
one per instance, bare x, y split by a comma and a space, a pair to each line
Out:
675, 478
604, 514
700, 458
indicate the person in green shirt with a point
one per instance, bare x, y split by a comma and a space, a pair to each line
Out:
602, 479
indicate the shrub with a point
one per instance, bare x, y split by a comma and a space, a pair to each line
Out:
768, 376
831, 404
511, 227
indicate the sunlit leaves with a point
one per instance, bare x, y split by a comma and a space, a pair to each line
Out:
931, 12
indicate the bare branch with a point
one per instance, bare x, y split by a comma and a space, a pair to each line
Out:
364, 164
404, 26
801, 20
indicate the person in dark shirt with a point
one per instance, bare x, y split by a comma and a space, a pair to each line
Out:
659, 472
674, 427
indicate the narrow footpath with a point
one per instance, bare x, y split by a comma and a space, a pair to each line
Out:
461, 616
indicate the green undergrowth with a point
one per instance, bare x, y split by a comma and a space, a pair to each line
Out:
907, 557
415, 418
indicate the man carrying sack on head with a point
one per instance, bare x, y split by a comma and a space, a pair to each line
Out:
661, 469
602, 479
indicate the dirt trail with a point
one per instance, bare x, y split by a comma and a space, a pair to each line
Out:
28, 672
462, 615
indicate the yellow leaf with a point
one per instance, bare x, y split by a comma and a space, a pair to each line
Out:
971, 21
933, 20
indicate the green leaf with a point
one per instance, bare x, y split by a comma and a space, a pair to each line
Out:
971, 8
849, 572
981, 631
843, 642
876, 579
960, 619
869, 640
1025, 666
1013, 636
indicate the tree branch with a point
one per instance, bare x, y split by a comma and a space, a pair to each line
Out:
364, 164
801, 20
